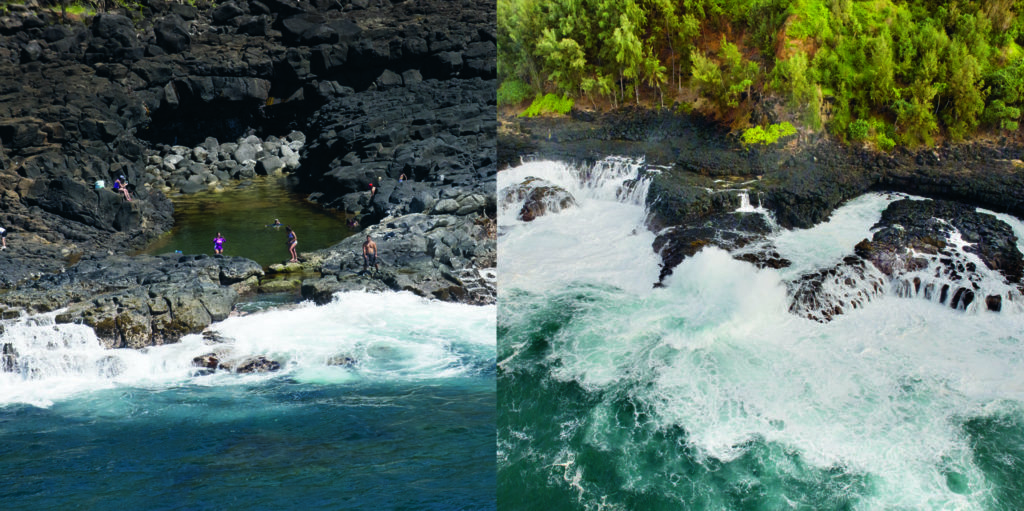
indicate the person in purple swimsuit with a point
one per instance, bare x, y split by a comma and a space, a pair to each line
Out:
218, 244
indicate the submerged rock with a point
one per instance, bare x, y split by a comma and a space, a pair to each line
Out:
256, 364
342, 360
8, 358
544, 199
259, 364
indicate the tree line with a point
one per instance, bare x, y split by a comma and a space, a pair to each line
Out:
880, 71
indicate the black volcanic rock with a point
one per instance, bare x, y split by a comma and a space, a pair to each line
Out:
84, 103
172, 34
139, 301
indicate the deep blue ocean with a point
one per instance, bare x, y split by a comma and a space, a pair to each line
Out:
409, 426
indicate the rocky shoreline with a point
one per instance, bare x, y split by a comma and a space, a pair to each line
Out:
704, 173
181, 98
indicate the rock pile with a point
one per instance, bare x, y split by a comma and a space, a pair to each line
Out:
212, 164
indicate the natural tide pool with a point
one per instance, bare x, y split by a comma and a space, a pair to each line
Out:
243, 214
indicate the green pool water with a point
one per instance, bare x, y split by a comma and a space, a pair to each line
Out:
243, 214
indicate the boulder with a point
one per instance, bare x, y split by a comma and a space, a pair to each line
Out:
172, 34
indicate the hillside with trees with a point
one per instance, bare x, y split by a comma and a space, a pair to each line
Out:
879, 71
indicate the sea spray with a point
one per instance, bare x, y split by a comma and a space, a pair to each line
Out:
383, 400
709, 394
384, 336
601, 237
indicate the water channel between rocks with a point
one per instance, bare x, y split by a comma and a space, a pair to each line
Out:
243, 214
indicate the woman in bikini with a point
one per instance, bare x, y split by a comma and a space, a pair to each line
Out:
292, 241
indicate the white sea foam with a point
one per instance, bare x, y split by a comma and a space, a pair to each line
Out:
391, 336
827, 243
602, 240
880, 391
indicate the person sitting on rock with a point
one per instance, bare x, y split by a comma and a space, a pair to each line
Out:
218, 244
402, 178
370, 254
120, 186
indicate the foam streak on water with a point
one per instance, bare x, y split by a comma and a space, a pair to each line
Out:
708, 394
391, 336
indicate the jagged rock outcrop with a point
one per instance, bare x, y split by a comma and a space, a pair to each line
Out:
436, 137
443, 256
936, 250
139, 301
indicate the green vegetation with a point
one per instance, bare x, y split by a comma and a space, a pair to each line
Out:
767, 136
80, 9
881, 72
513, 92
548, 104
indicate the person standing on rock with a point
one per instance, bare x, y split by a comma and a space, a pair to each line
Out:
370, 254
218, 244
3, 238
293, 240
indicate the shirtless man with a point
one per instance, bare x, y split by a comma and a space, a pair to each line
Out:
370, 254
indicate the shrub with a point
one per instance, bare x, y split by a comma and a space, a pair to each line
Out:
759, 135
859, 130
513, 92
548, 104
884, 143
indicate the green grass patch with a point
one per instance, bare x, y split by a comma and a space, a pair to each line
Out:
79, 9
548, 104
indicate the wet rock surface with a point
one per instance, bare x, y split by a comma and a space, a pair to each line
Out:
139, 301
942, 251
539, 197
694, 203
729, 231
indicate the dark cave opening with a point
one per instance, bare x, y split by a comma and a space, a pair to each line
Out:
189, 124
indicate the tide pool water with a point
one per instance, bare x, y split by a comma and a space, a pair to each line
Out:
244, 214
383, 401
708, 394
